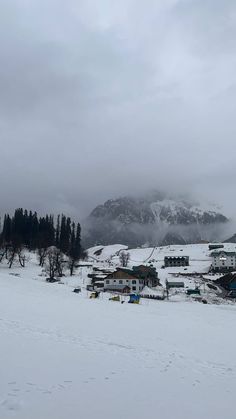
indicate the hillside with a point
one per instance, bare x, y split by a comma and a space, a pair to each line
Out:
199, 255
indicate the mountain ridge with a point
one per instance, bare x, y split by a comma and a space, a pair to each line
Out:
153, 219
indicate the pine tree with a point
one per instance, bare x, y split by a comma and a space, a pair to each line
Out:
25, 229
65, 234
75, 247
57, 239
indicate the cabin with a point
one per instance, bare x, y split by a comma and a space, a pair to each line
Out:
223, 261
123, 280
174, 284
215, 246
176, 261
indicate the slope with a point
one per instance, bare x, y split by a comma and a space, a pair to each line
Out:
66, 356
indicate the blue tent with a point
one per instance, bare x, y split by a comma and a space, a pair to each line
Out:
134, 298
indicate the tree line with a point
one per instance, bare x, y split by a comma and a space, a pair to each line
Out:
25, 229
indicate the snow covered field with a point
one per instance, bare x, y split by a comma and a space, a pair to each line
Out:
66, 356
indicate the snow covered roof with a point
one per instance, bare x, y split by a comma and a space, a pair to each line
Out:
222, 252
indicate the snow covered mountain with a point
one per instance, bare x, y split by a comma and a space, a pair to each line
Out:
153, 219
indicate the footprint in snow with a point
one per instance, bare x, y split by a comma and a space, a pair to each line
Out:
10, 404
60, 386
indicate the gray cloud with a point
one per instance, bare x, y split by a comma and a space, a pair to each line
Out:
100, 99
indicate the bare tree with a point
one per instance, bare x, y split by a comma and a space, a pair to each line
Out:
3, 253
42, 254
59, 262
124, 258
54, 262
16, 252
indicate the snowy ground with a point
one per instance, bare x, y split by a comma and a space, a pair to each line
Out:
66, 356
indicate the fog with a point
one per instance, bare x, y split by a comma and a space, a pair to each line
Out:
100, 99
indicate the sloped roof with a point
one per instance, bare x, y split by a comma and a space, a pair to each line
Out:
226, 279
222, 252
125, 270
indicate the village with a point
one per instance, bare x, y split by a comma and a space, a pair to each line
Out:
203, 272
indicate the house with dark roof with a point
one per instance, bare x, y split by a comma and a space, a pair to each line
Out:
228, 282
176, 261
215, 246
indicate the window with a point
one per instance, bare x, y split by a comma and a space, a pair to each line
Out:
134, 288
134, 281
114, 280
120, 281
107, 281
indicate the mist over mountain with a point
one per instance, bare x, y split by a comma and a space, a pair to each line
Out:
153, 219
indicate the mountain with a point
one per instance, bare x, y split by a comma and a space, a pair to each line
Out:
231, 239
152, 219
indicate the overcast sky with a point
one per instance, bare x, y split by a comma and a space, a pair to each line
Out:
99, 98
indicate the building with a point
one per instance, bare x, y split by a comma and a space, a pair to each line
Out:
174, 284
176, 261
228, 282
215, 246
223, 261
97, 277
148, 274
123, 280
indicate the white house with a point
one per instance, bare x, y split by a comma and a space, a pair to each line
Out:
123, 280
223, 261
